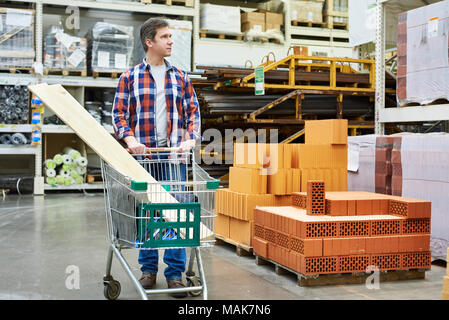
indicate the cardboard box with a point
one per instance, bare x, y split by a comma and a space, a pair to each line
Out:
269, 26
253, 26
254, 16
253, 21
273, 18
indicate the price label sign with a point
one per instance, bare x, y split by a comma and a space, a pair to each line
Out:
259, 81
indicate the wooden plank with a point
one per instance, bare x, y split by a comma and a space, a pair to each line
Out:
68, 109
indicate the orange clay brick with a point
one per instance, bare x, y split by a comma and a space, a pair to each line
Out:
331, 131
260, 247
315, 198
248, 180
364, 207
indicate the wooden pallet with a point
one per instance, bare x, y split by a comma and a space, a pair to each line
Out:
329, 14
330, 24
299, 23
27, 70
240, 249
216, 35
341, 278
327, 24
270, 40
94, 178
185, 3
65, 72
106, 74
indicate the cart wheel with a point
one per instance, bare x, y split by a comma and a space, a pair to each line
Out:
194, 282
112, 289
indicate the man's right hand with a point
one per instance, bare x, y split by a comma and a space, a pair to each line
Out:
134, 146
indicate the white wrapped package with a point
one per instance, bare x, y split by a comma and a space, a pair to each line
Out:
363, 178
220, 19
182, 40
423, 65
306, 11
425, 175
110, 47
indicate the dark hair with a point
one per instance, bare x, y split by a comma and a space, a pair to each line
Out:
149, 28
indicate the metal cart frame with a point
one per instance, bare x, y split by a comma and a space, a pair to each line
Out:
179, 216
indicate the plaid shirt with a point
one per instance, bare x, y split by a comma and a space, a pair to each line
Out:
134, 111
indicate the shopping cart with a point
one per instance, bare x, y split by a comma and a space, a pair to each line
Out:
176, 211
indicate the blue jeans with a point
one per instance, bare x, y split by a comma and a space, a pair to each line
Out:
174, 258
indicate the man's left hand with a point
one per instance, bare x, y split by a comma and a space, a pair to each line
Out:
187, 145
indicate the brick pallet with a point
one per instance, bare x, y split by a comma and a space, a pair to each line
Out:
268, 174
395, 235
340, 278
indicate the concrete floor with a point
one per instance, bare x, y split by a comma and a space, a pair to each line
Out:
44, 239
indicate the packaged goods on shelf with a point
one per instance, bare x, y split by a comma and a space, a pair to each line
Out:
17, 33
110, 47
182, 41
307, 11
14, 104
338, 6
220, 19
423, 64
53, 120
99, 105
412, 166
262, 25
64, 51
65, 168
17, 138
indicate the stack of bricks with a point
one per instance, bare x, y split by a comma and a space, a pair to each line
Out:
324, 156
352, 231
388, 167
268, 174
446, 280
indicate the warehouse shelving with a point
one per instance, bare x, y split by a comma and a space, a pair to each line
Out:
18, 150
77, 84
401, 114
83, 186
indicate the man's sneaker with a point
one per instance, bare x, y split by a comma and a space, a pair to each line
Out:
148, 280
176, 283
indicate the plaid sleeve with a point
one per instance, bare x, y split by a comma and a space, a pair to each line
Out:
120, 109
191, 110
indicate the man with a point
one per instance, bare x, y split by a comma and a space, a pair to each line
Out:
156, 106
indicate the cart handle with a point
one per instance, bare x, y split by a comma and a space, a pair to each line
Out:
154, 150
